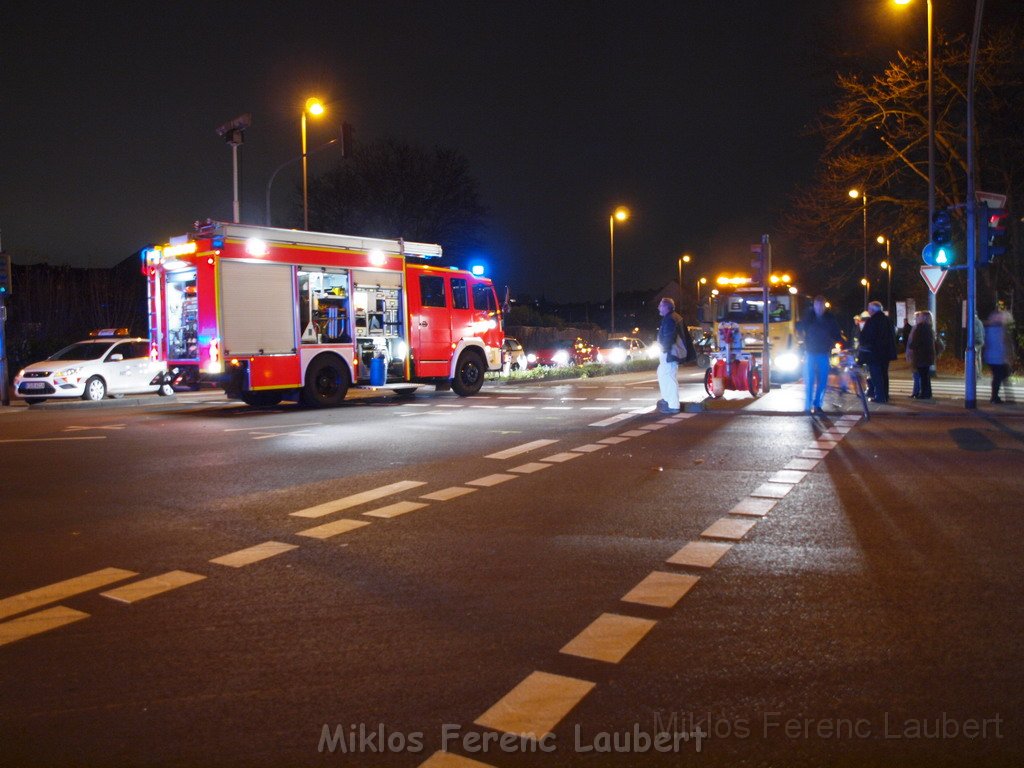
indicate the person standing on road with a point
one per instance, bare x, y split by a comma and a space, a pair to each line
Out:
876, 349
921, 354
999, 351
668, 364
821, 332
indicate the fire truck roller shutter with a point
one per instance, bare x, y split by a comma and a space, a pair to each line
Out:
257, 308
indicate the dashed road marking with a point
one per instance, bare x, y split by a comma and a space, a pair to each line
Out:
52, 593
104, 426
607, 399
556, 408
790, 476
700, 554
621, 417
36, 623
533, 466
449, 760
804, 465
490, 480
661, 589
633, 433
329, 507
590, 448
265, 435
327, 530
396, 509
813, 453
254, 554
614, 440
558, 458
754, 507
508, 453
282, 426
447, 494
609, 637
483, 406
520, 407
156, 585
728, 528
52, 439
772, 490
654, 427
535, 706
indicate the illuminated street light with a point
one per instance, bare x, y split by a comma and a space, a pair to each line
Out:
863, 195
887, 266
619, 214
313, 107
702, 281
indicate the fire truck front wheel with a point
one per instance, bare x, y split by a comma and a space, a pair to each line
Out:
469, 374
327, 382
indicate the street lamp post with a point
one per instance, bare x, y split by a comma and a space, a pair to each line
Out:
867, 288
863, 195
314, 107
619, 214
887, 266
702, 281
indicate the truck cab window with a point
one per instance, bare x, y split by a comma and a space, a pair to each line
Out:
460, 293
432, 291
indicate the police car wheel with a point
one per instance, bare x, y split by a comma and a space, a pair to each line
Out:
95, 389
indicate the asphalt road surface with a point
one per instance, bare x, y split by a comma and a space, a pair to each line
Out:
406, 582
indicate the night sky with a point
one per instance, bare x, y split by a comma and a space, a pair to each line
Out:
691, 113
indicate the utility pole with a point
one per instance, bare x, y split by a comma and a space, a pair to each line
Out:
970, 374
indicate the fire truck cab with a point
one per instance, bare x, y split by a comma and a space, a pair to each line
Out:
272, 314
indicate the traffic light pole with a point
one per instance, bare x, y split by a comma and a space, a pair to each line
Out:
970, 373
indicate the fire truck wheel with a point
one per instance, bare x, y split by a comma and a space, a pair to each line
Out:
469, 374
262, 399
326, 382
95, 389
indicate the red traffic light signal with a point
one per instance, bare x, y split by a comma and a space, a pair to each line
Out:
992, 231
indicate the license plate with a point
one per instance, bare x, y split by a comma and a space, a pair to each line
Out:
34, 385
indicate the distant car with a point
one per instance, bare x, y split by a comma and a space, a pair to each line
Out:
93, 369
513, 356
622, 349
562, 353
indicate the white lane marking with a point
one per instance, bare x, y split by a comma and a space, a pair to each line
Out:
254, 554
483, 406
263, 428
447, 494
61, 590
596, 408
728, 528
508, 453
536, 705
787, 476
700, 554
327, 530
589, 448
754, 507
614, 440
541, 398
320, 510
558, 458
640, 399
634, 433
812, 453
396, 509
608, 399
489, 480
451, 405
520, 407
35, 623
567, 399
156, 585
654, 427
265, 435
418, 405
105, 426
556, 408
510, 397
609, 637
526, 469
772, 490
52, 439
660, 589
621, 417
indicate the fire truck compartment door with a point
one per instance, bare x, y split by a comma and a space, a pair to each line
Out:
431, 324
257, 305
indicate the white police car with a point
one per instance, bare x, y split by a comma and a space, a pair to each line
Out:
106, 364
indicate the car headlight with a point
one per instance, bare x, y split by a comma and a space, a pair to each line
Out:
66, 372
531, 358
617, 355
561, 357
655, 349
787, 361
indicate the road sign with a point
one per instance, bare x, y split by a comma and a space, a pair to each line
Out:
993, 199
933, 277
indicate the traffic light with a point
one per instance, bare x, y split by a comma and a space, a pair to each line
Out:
992, 233
939, 252
757, 265
5, 274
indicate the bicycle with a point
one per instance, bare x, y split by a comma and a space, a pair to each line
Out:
849, 377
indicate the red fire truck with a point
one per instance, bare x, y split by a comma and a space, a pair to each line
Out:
270, 314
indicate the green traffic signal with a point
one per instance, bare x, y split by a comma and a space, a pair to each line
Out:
935, 255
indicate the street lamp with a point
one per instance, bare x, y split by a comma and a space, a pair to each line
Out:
863, 195
313, 107
619, 214
867, 287
684, 259
887, 266
702, 281
931, 139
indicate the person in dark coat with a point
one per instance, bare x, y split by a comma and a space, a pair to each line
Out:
876, 349
921, 354
821, 332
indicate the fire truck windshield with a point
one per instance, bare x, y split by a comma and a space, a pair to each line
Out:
749, 308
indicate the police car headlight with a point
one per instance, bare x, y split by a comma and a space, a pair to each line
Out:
560, 358
655, 349
787, 361
66, 372
617, 355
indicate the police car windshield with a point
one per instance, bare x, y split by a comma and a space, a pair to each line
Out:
83, 350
